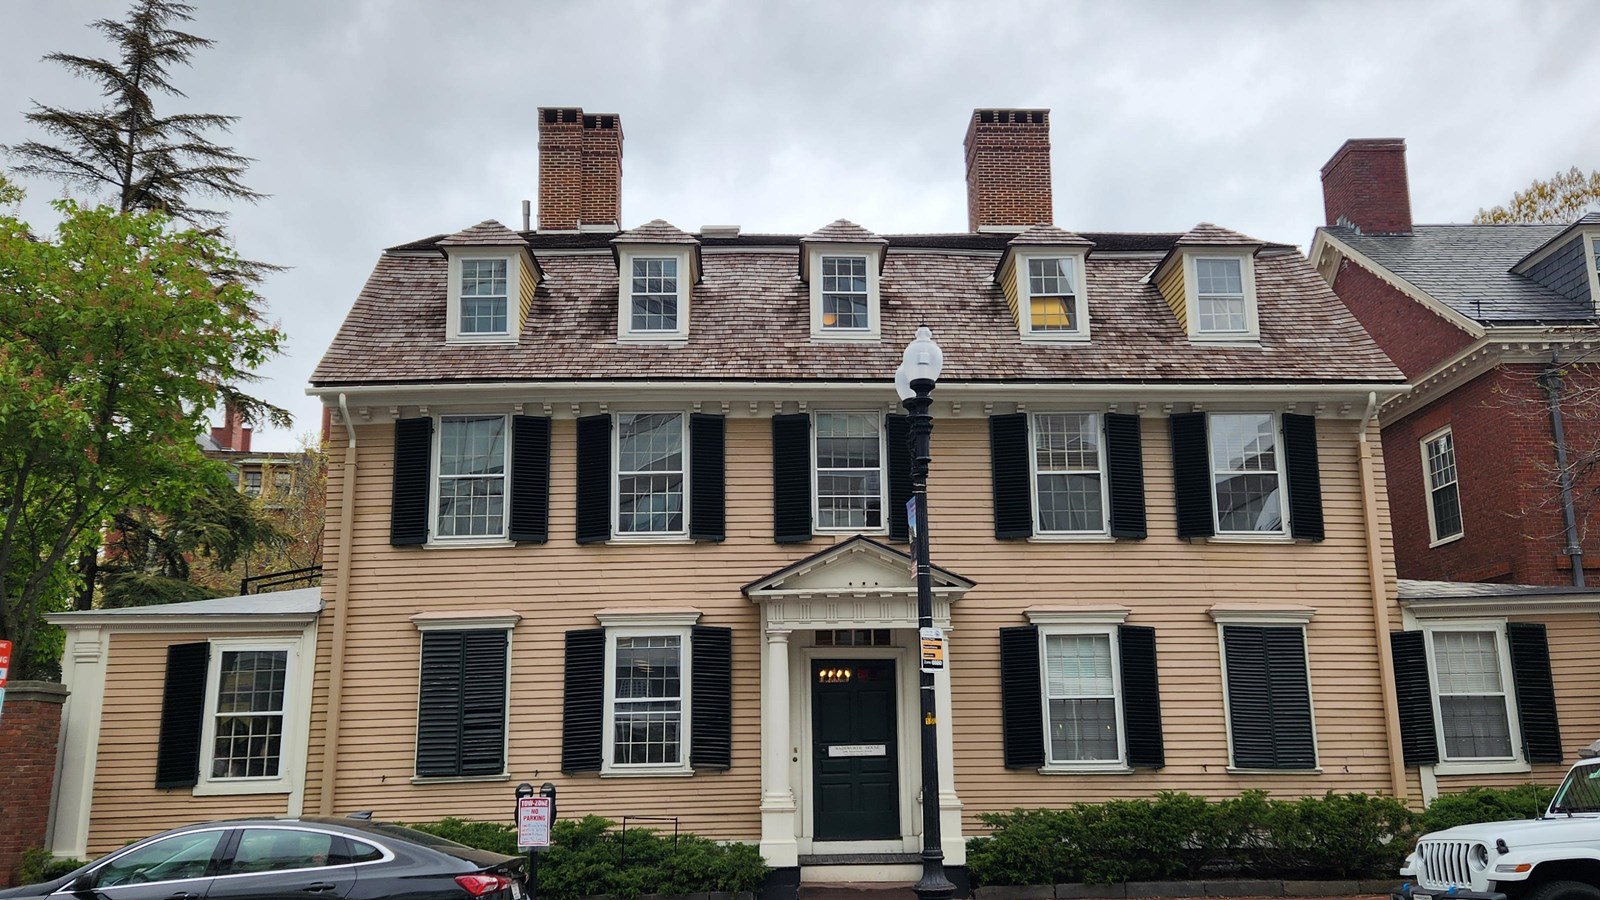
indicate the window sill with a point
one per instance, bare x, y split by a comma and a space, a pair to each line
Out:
1449, 540
1049, 538
1483, 767
458, 779
849, 532
1098, 769
242, 787
674, 339
630, 539
1236, 770
484, 339
1031, 337
845, 336
1246, 341
646, 773
469, 544
1241, 538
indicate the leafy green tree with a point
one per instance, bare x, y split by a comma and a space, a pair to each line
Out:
126, 149
117, 334
1559, 201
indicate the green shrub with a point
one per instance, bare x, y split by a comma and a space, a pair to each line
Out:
1337, 836
1479, 804
588, 856
40, 865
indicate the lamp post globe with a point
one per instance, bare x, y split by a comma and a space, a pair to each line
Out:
914, 381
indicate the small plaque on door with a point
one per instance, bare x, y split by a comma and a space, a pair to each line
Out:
858, 750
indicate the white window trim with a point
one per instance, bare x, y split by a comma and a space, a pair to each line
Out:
626, 254
472, 540
292, 745
1033, 479
1427, 489
1078, 260
646, 537
471, 620
1476, 765
1062, 767
1191, 287
610, 769
873, 254
883, 475
1592, 263
1287, 618
1282, 535
514, 276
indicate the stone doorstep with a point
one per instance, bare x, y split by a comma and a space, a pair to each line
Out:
1184, 889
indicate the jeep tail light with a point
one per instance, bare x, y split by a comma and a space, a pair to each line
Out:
480, 884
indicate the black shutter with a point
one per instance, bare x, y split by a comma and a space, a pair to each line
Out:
711, 698
791, 478
439, 704
183, 713
1141, 697
408, 497
1536, 692
1008, 465
594, 479
1191, 475
583, 701
1413, 694
896, 429
1269, 698
483, 703
530, 479
1305, 480
1125, 476
1021, 698
708, 487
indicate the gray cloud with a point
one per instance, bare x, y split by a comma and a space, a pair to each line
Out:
375, 123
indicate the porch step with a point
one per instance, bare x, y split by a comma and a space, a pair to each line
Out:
856, 890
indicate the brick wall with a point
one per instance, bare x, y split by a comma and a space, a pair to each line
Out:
580, 169
1513, 530
1415, 338
1008, 168
1365, 184
30, 727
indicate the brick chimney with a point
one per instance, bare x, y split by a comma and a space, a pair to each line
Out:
1008, 168
580, 169
232, 435
1364, 185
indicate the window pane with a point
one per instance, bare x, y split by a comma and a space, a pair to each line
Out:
483, 296
1219, 276
1441, 461
1052, 314
275, 849
1446, 496
184, 856
1244, 459
1245, 443
252, 681
472, 463
1067, 442
1050, 276
844, 292
646, 733
849, 471
650, 443
1447, 511
1070, 503
1078, 665
647, 701
1083, 730
1475, 727
471, 506
1222, 314
472, 445
655, 295
1248, 503
1466, 662
647, 667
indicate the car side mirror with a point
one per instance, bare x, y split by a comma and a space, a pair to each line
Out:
84, 884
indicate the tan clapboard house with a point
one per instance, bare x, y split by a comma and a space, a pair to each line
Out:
623, 510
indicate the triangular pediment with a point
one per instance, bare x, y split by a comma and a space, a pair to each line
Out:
857, 566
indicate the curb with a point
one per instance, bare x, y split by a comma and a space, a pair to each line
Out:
1136, 890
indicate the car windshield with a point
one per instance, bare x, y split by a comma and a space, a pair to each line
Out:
1580, 792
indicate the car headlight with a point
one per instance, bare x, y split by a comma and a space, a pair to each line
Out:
1480, 856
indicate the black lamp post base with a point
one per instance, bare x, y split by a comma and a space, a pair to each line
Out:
933, 885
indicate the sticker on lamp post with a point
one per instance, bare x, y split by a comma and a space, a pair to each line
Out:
533, 823
932, 650
911, 532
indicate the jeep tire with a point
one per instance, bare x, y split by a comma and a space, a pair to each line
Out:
1563, 890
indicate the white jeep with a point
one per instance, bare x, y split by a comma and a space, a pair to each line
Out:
1553, 857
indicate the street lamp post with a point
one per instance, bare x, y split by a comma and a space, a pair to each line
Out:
914, 382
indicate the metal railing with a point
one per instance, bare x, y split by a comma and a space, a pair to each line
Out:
310, 576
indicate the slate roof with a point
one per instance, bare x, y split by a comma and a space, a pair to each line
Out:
751, 321
487, 233
1468, 268
1413, 589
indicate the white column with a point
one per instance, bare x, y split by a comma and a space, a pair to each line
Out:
951, 840
778, 845
83, 669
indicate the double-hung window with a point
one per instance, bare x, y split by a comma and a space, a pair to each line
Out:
1474, 707
1052, 295
248, 718
849, 455
844, 294
1443, 489
647, 695
483, 297
1220, 296
472, 477
1069, 479
655, 295
252, 482
1247, 475
1081, 697
650, 473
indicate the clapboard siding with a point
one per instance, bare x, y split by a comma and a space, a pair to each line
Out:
1576, 673
1167, 582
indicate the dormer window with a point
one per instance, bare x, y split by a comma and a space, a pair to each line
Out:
658, 267
487, 267
1220, 297
655, 295
483, 296
1043, 274
1052, 296
845, 304
1209, 280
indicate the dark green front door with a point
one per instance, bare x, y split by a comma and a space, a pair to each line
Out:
853, 746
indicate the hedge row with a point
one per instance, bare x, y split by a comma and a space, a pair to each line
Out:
1177, 835
588, 856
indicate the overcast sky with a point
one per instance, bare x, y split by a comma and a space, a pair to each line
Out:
373, 123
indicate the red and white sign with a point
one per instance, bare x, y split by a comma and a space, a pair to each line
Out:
533, 823
5, 661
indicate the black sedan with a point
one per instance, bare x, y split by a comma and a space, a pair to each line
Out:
309, 857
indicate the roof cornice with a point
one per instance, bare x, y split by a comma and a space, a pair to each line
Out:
1521, 604
1324, 240
1512, 344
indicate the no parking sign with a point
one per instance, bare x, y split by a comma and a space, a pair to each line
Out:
5, 669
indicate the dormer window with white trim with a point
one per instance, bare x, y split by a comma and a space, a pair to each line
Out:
655, 294
844, 294
1219, 294
1052, 303
841, 265
1209, 281
653, 291
483, 296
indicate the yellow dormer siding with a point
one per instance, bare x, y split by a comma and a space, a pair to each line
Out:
1008, 283
527, 284
1170, 284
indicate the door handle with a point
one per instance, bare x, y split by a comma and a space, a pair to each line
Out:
184, 895
318, 887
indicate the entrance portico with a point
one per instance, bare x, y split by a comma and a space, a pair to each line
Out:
863, 596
